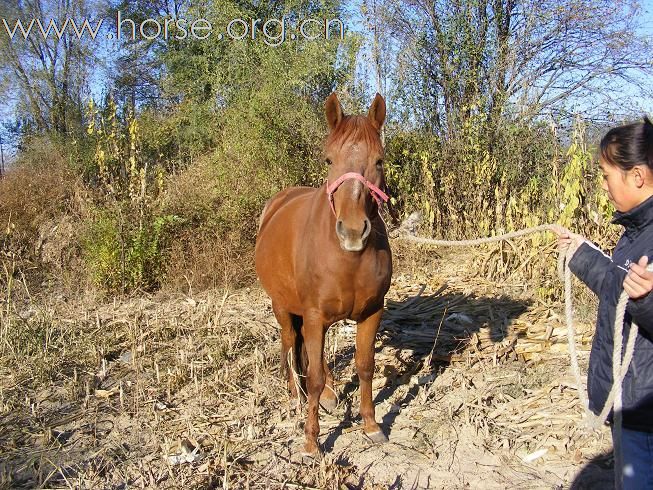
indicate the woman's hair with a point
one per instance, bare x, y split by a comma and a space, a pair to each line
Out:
629, 145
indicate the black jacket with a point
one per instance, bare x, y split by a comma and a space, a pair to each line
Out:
605, 276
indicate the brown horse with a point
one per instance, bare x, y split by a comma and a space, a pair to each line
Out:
322, 255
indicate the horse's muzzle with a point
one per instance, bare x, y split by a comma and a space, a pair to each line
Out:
353, 240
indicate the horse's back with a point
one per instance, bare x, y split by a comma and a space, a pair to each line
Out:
287, 199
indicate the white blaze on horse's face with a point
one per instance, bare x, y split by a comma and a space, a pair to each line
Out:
356, 192
353, 202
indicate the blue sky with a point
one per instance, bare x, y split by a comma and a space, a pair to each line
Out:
647, 29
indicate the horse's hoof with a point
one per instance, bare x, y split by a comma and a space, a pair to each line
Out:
329, 404
311, 452
377, 437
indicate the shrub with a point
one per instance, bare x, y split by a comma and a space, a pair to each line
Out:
124, 252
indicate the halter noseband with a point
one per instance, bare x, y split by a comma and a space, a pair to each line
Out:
379, 196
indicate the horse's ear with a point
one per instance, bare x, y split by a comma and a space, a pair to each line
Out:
334, 113
376, 114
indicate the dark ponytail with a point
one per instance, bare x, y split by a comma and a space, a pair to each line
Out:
648, 140
629, 145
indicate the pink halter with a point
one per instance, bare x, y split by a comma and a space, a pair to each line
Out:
379, 196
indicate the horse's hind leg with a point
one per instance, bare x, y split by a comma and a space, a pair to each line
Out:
313, 331
328, 398
289, 363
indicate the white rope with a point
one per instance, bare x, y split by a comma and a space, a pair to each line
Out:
477, 241
571, 331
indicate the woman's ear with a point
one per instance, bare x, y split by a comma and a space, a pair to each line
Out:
642, 175
648, 175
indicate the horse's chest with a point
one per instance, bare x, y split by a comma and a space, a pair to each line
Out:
357, 295
370, 285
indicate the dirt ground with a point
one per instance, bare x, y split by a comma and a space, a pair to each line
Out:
472, 386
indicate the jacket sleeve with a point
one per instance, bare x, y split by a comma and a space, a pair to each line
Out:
590, 265
641, 309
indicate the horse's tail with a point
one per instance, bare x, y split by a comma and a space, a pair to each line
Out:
300, 353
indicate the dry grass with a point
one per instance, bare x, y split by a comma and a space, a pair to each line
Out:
219, 205
197, 262
34, 192
173, 391
40, 201
113, 396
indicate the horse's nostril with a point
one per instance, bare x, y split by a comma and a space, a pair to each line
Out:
339, 227
366, 227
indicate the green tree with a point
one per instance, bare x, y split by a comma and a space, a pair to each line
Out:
50, 73
260, 103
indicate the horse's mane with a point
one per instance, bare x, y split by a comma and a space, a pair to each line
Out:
355, 128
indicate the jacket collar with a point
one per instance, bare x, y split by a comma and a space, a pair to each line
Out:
637, 218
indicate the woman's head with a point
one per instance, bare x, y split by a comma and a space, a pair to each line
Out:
626, 160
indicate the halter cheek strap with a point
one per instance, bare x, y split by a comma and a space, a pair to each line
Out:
379, 196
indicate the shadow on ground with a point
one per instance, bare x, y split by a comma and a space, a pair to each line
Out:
597, 474
413, 325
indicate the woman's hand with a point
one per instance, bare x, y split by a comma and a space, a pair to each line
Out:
639, 280
566, 237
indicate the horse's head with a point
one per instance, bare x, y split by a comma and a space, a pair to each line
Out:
354, 153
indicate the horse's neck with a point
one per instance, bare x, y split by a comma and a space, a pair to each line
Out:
321, 216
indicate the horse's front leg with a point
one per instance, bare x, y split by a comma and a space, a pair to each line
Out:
365, 338
313, 332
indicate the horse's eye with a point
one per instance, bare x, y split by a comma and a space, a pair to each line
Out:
379, 163
328, 161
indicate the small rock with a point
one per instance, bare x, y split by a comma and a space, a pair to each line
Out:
190, 453
27, 314
126, 357
159, 405
460, 318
